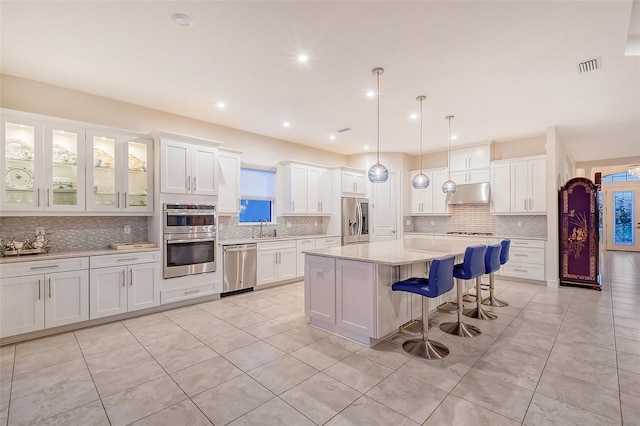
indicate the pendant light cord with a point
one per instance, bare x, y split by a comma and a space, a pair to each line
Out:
421, 120
449, 117
378, 84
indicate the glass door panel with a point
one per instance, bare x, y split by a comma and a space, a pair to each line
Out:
66, 173
138, 182
104, 173
623, 218
21, 176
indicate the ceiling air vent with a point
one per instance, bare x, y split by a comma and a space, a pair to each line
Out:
346, 129
589, 65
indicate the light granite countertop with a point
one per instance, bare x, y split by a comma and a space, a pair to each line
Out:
69, 254
269, 239
396, 252
515, 237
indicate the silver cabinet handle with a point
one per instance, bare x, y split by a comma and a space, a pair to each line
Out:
525, 203
238, 203
293, 205
194, 184
128, 259
45, 267
48, 199
123, 278
131, 277
49, 288
520, 255
118, 200
38, 197
187, 183
275, 260
39, 289
126, 199
186, 293
520, 270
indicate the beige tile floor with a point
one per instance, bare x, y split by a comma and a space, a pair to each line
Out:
563, 356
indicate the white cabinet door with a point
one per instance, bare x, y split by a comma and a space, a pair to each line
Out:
137, 171
104, 179
302, 245
348, 183
459, 177
144, 286
175, 173
355, 297
458, 159
320, 288
416, 198
286, 264
501, 187
538, 186
66, 296
361, 183
439, 197
108, 291
314, 175
353, 183
229, 165
298, 185
325, 191
267, 267
479, 158
519, 186
479, 175
22, 303
203, 170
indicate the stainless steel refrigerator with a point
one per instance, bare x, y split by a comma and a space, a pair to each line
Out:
355, 220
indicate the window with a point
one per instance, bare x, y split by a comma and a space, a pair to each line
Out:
619, 177
258, 194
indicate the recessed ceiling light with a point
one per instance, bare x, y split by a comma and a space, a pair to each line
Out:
303, 58
413, 116
332, 137
454, 137
286, 124
182, 20
366, 147
221, 105
371, 94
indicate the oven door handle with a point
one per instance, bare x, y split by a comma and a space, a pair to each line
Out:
195, 240
195, 213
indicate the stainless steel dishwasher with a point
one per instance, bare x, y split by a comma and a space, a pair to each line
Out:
239, 269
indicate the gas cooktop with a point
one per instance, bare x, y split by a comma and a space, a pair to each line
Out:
469, 233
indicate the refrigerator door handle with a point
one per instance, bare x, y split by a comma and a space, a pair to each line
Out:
359, 206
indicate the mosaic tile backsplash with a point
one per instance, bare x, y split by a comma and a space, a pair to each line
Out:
68, 233
478, 218
229, 229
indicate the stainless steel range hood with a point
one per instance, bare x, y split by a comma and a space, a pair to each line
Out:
471, 193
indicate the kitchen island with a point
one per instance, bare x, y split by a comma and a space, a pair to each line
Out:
348, 288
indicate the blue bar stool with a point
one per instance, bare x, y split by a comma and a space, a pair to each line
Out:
439, 282
504, 257
471, 267
491, 264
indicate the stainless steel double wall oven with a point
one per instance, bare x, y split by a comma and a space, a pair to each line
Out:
189, 239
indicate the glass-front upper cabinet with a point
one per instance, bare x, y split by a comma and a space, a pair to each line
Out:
120, 176
64, 168
22, 169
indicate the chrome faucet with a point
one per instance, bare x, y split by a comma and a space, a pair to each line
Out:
262, 222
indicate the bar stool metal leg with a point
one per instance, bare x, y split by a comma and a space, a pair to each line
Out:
492, 300
459, 328
425, 348
413, 326
478, 312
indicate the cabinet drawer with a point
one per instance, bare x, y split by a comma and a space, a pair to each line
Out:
328, 242
527, 243
184, 293
277, 245
523, 270
526, 255
20, 269
125, 259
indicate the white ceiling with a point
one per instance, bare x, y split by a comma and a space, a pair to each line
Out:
506, 70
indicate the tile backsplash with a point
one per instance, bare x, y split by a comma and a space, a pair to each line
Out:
77, 232
230, 229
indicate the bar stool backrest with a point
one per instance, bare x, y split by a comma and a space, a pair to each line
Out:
441, 275
492, 258
473, 263
504, 253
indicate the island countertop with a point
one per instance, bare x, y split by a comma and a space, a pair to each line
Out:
395, 252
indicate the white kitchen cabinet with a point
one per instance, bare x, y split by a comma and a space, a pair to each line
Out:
120, 176
471, 176
35, 296
526, 260
303, 245
328, 242
187, 167
124, 283
476, 157
528, 186
320, 289
430, 200
353, 182
501, 187
229, 175
44, 166
305, 189
276, 262
356, 297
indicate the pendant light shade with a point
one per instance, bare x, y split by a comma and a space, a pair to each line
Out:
378, 173
449, 187
420, 180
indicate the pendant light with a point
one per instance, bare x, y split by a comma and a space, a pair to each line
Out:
635, 170
420, 181
378, 173
449, 186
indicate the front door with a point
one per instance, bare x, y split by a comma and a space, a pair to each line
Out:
385, 209
622, 216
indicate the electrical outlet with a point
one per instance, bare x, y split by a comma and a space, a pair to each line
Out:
288, 224
40, 230
433, 222
127, 229
520, 224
